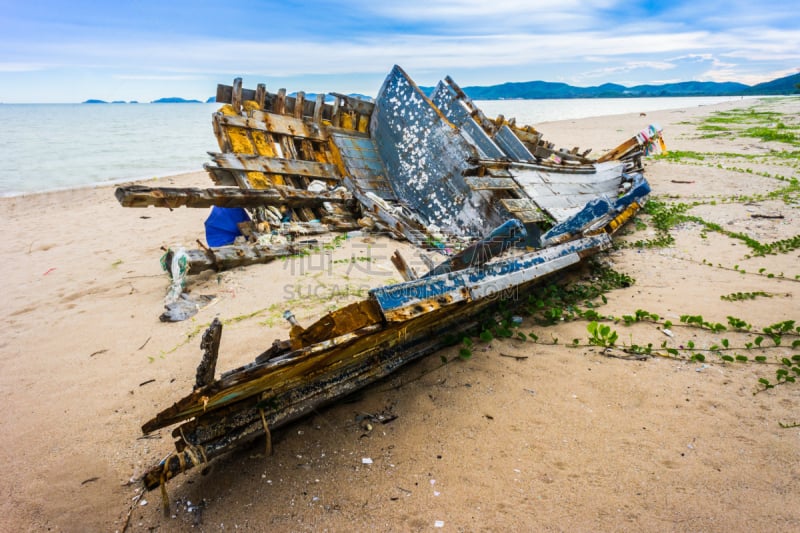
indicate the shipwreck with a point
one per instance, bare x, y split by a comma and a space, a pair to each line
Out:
501, 206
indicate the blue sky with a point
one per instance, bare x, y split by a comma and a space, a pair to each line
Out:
69, 51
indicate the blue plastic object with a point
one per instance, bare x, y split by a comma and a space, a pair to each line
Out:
222, 225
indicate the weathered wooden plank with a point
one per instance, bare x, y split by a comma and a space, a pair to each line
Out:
276, 165
487, 184
524, 209
402, 266
261, 95
276, 123
236, 255
410, 299
210, 347
172, 197
236, 99
426, 158
279, 104
362, 107
299, 104
222, 177
478, 253
620, 151
460, 112
399, 224
319, 108
527, 135
517, 204
511, 144
224, 93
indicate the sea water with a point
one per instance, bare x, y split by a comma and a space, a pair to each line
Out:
58, 146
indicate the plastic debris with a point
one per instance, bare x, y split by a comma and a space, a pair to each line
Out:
184, 307
177, 269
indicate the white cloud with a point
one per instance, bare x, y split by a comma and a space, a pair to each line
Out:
157, 77
729, 74
21, 67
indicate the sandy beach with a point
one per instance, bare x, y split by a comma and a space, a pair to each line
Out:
522, 436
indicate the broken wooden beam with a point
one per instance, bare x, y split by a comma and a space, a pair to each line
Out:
172, 197
498, 241
235, 255
402, 266
210, 346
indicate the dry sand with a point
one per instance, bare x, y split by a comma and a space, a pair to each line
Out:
567, 439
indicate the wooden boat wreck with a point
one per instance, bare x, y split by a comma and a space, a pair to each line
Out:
433, 170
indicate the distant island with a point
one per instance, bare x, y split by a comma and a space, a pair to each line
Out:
170, 100
175, 100
548, 90
94, 101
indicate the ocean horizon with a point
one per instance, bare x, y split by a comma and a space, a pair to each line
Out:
51, 147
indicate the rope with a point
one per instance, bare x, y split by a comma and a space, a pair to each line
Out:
268, 444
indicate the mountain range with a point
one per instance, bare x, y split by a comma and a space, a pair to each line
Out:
544, 90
